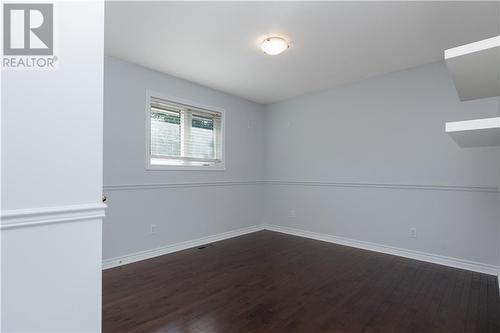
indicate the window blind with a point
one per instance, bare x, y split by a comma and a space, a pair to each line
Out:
184, 135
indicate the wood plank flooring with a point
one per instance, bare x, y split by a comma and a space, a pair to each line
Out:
270, 282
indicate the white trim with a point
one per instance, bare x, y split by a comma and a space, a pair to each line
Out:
126, 187
412, 254
472, 125
387, 186
148, 254
19, 218
213, 167
221, 166
304, 183
472, 47
476, 132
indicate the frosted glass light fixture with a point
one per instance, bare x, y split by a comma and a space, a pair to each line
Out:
274, 45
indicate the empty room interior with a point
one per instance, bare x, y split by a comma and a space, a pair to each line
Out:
250, 167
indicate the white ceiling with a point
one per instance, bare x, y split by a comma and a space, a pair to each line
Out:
334, 43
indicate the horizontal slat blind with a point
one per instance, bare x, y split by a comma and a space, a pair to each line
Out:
183, 134
165, 132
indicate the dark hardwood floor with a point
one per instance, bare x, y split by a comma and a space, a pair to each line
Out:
271, 282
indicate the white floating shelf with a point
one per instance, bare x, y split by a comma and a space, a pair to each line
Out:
475, 68
475, 133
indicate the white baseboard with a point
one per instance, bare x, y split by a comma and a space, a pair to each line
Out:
417, 255
148, 254
422, 256
498, 279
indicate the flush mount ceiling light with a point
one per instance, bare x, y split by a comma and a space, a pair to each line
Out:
274, 45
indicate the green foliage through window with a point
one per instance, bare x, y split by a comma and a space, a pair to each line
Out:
203, 123
166, 118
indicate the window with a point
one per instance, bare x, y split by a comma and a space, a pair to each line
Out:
183, 136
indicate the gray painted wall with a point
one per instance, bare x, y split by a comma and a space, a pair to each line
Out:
385, 130
218, 208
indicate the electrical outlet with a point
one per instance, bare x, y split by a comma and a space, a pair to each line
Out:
152, 229
292, 213
413, 232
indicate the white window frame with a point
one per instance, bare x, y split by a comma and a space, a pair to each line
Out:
156, 167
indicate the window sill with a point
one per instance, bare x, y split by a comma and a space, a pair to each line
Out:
160, 167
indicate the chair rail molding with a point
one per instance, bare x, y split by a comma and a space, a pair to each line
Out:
19, 218
487, 189
128, 187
